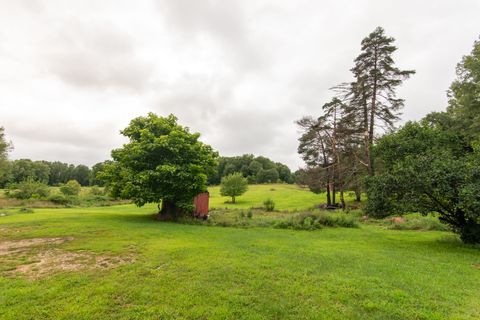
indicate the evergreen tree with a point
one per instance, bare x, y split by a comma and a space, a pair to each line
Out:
372, 95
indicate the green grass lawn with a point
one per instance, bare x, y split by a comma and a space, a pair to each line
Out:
286, 197
199, 272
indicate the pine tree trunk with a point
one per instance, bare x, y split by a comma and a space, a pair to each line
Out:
329, 201
342, 199
371, 169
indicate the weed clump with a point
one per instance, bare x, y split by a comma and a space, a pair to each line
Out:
269, 205
316, 220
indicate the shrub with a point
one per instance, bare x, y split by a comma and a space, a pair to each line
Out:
58, 199
71, 188
269, 205
28, 189
250, 214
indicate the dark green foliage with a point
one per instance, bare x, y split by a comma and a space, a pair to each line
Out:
269, 205
426, 169
163, 162
255, 169
71, 188
96, 173
81, 174
464, 94
26, 169
28, 189
233, 185
267, 176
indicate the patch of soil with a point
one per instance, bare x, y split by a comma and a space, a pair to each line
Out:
476, 266
43, 261
16, 246
54, 261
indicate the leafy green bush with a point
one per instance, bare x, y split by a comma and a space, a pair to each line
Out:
28, 189
250, 214
269, 205
59, 199
71, 188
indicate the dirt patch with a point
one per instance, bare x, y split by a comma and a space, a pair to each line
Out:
16, 246
34, 259
54, 261
476, 266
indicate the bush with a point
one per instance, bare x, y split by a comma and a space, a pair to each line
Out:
58, 199
250, 214
28, 189
269, 205
71, 188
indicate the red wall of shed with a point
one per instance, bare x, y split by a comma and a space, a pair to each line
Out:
201, 204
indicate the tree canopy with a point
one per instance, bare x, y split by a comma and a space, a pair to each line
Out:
256, 169
233, 185
163, 162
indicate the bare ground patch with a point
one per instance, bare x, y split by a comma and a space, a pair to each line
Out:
34, 259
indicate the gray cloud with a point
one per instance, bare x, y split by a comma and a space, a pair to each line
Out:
95, 55
240, 72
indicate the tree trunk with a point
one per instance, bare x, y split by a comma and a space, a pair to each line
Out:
329, 201
342, 199
358, 194
233, 199
371, 169
169, 211
334, 200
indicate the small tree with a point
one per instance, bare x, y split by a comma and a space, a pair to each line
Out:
233, 185
71, 188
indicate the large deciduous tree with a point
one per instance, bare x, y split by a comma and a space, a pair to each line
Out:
163, 162
427, 169
464, 94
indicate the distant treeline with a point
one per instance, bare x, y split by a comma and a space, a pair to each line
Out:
255, 169
52, 173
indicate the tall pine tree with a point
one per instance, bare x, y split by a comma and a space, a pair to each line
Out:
372, 95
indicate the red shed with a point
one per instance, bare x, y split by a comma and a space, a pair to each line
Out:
201, 205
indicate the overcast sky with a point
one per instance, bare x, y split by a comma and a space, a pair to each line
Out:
74, 73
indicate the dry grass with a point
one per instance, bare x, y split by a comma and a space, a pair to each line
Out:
35, 259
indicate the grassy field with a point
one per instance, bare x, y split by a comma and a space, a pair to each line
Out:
117, 263
286, 197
